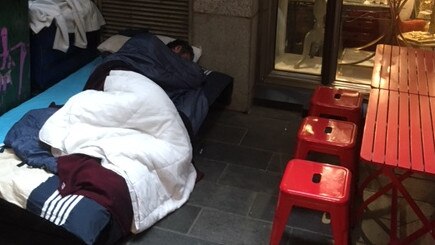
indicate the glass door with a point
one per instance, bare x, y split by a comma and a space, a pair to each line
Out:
307, 42
300, 33
364, 24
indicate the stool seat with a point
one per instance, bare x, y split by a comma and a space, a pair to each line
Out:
328, 136
328, 132
313, 181
336, 103
316, 186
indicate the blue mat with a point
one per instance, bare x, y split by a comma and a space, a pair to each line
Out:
58, 93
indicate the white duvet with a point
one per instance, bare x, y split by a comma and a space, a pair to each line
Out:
137, 132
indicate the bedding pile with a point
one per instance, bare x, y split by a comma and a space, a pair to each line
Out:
182, 80
132, 128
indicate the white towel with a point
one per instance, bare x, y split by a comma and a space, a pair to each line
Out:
71, 16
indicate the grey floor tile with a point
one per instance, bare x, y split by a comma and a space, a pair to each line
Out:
309, 220
264, 207
281, 114
225, 228
424, 239
278, 162
250, 178
231, 118
300, 218
212, 169
235, 154
158, 236
225, 198
305, 237
224, 133
258, 115
272, 135
181, 219
243, 156
421, 189
372, 231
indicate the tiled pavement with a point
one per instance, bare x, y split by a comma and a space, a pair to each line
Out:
243, 156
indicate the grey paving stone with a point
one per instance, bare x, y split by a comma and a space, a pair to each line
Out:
272, 135
157, 236
212, 169
235, 154
309, 220
235, 202
278, 162
264, 207
181, 219
250, 178
300, 218
225, 198
225, 228
225, 133
305, 237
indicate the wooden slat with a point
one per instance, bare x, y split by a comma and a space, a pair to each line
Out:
430, 163
430, 71
376, 75
385, 67
381, 127
427, 134
421, 74
403, 70
404, 146
395, 64
415, 133
369, 127
391, 151
412, 79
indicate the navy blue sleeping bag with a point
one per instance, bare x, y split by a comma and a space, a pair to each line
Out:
23, 137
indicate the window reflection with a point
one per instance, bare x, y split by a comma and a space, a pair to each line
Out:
299, 38
363, 25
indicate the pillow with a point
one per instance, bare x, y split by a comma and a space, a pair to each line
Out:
115, 42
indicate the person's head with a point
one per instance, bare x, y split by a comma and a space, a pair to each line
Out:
181, 48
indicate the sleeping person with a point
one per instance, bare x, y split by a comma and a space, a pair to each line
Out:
182, 48
171, 68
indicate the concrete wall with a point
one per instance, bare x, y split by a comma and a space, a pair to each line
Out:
227, 32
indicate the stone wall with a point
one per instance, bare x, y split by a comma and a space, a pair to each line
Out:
227, 32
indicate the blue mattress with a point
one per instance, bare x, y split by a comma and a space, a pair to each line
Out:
59, 94
217, 89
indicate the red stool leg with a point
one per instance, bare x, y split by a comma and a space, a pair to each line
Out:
355, 118
282, 212
313, 111
301, 151
340, 225
348, 160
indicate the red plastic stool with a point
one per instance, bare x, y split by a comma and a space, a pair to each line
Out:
336, 103
315, 186
328, 136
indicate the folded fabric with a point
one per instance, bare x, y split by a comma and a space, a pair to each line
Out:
83, 175
23, 138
